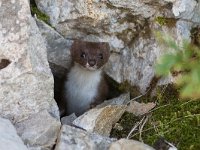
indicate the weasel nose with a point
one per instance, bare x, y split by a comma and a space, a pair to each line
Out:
91, 62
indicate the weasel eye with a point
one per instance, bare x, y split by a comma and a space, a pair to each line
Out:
83, 55
100, 56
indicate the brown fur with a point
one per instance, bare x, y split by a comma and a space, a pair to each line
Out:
95, 55
93, 51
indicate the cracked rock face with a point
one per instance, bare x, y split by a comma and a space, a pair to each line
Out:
26, 82
128, 26
123, 24
77, 139
101, 118
9, 140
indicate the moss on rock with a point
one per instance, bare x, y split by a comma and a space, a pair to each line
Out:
163, 21
39, 14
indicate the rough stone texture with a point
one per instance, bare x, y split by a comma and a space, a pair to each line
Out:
186, 10
101, 119
124, 144
139, 108
26, 82
67, 120
71, 138
58, 48
40, 129
127, 25
9, 140
123, 99
123, 24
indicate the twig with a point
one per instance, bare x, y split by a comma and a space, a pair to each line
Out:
136, 125
158, 108
141, 128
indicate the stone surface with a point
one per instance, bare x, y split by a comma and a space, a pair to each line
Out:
71, 138
101, 119
67, 120
123, 24
9, 140
58, 48
128, 26
26, 84
140, 108
186, 9
40, 129
124, 144
123, 99
26, 81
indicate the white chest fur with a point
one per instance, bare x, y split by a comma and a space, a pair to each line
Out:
81, 88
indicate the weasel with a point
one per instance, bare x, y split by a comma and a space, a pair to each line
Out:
85, 86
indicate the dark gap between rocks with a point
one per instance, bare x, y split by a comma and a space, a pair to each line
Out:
4, 63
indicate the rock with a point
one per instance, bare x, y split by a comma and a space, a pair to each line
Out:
51, 8
101, 119
124, 144
26, 84
40, 129
140, 108
77, 139
9, 140
128, 26
123, 99
59, 58
58, 48
123, 24
67, 120
186, 9
26, 81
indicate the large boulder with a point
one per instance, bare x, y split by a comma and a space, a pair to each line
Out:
26, 81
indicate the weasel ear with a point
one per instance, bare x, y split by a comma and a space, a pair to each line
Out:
106, 49
74, 46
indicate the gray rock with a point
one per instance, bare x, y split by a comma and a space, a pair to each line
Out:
140, 108
9, 140
58, 48
121, 23
127, 26
67, 120
40, 129
124, 144
121, 100
185, 9
26, 84
71, 138
101, 118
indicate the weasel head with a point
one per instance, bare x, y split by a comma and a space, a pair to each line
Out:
90, 55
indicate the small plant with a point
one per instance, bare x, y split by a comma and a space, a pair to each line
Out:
185, 60
39, 14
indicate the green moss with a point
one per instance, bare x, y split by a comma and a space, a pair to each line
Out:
169, 22
141, 29
39, 14
176, 120
129, 35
